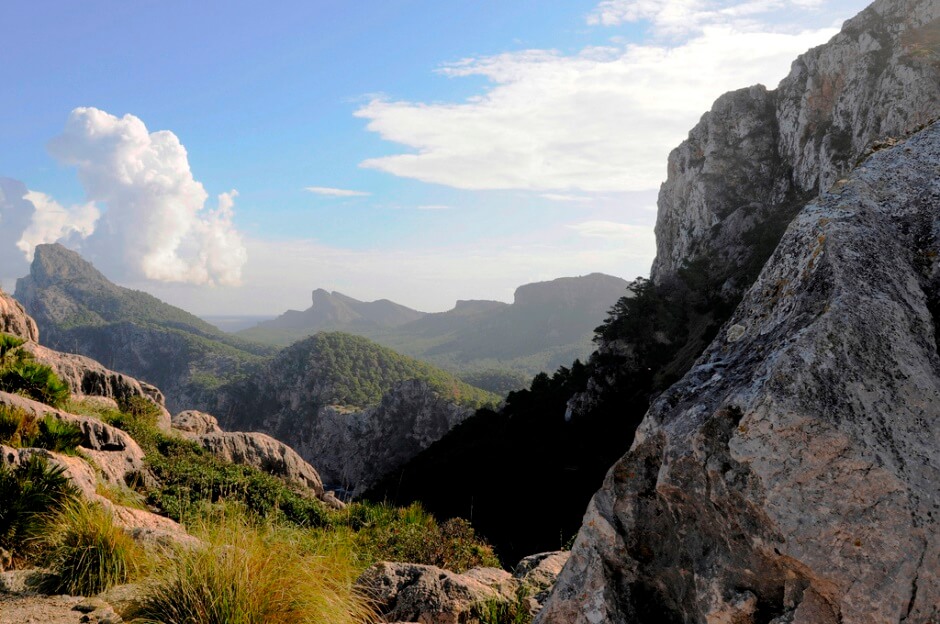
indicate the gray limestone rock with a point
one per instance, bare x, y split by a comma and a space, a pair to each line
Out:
793, 474
759, 155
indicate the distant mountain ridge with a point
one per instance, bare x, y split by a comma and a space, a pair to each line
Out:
548, 324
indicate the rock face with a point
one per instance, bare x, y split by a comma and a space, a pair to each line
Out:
14, 320
792, 476
759, 155
196, 422
353, 449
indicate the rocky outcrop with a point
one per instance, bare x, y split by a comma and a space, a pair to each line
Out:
253, 449
14, 319
759, 155
431, 595
107, 456
85, 376
409, 592
792, 476
196, 422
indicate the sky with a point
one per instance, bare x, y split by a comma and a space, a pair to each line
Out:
230, 157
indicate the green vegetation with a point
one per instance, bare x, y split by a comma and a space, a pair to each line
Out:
29, 493
354, 371
21, 429
86, 552
385, 533
19, 373
500, 612
251, 574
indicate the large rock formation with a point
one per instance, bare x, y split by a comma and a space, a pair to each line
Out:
759, 155
793, 474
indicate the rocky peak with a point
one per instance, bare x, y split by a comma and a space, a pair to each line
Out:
759, 155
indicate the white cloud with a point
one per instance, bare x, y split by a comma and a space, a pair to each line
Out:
434, 207
601, 120
678, 17
156, 223
561, 197
52, 222
639, 236
335, 192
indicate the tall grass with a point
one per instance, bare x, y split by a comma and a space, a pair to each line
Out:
28, 493
87, 552
256, 574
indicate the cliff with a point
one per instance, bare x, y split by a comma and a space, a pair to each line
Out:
791, 476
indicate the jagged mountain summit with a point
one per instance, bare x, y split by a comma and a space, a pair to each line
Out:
548, 324
792, 475
80, 311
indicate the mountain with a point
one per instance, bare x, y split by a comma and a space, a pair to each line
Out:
79, 310
331, 312
678, 523
548, 324
354, 408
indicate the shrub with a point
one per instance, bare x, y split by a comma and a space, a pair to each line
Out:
9, 344
501, 612
37, 381
247, 574
18, 427
86, 552
413, 535
30, 492
58, 435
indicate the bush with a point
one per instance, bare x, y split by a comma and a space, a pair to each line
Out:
59, 436
501, 612
29, 493
412, 535
247, 574
86, 552
37, 381
18, 428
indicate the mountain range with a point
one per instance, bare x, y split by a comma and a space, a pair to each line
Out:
496, 345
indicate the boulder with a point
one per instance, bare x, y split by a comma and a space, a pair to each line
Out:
196, 422
267, 454
14, 319
539, 572
409, 592
793, 475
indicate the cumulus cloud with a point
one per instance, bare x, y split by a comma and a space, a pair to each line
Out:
601, 120
53, 222
29, 218
156, 223
335, 192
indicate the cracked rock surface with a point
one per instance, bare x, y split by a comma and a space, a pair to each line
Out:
793, 475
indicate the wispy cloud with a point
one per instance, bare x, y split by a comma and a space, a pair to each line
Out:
434, 207
603, 119
561, 197
614, 231
335, 192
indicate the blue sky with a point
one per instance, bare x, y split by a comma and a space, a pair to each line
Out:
456, 149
